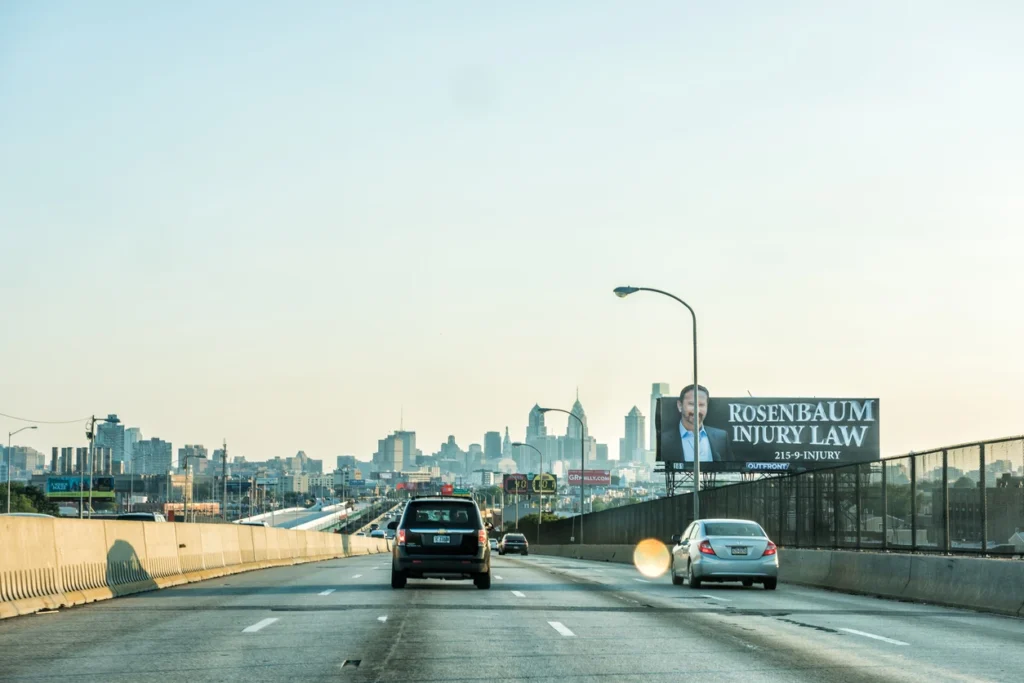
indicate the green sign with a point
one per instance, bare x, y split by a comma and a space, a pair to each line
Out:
461, 492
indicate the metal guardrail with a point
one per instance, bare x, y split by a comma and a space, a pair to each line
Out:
965, 499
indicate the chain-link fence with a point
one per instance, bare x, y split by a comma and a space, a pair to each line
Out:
961, 499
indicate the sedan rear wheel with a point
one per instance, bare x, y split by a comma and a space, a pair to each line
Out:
676, 579
693, 580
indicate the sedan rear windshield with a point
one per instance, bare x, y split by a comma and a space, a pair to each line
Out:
733, 529
451, 514
515, 537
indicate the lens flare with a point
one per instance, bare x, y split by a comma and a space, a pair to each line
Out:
651, 558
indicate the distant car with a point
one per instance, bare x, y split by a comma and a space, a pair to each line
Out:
389, 533
377, 533
374, 527
257, 523
142, 517
724, 550
494, 544
360, 533
513, 543
441, 538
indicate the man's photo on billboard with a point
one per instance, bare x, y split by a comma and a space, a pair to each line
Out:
676, 442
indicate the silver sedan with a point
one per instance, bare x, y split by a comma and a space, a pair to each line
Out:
724, 550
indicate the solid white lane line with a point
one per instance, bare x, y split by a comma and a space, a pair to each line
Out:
357, 576
382, 619
561, 628
715, 597
327, 592
498, 578
642, 580
259, 625
873, 636
518, 594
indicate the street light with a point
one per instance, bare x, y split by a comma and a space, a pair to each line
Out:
622, 293
9, 435
540, 512
583, 456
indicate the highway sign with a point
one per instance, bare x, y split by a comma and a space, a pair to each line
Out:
544, 483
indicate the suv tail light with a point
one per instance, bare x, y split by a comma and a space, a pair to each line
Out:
705, 547
481, 537
401, 537
770, 550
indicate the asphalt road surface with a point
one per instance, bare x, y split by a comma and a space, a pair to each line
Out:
544, 619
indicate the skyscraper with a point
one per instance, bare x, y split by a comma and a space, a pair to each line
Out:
492, 446
635, 436
192, 453
658, 390
536, 427
390, 455
153, 456
573, 429
506, 445
110, 434
132, 436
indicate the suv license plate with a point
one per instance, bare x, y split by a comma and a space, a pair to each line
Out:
739, 551
442, 539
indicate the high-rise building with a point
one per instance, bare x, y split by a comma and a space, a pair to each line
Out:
390, 455
153, 456
573, 429
192, 452
110, 434
81, 460
348, 461
492, 446
132, 435
658, 389
602, 452
536, 427
636, 434
54, 459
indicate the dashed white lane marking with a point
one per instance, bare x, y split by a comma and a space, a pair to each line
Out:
873, 636
382, 619
259, 625
518, 594
715, 597
327, 592
642, 580
498, 578
357, 576
561, 628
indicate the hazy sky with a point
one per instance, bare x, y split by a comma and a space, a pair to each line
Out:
280, 223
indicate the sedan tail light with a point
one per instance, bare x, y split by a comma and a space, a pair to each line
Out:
481, 537
770, 550
705, 547
401, 537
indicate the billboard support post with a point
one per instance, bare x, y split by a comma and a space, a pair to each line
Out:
623, 292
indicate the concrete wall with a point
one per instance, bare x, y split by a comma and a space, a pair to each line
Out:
53, 563
988, 585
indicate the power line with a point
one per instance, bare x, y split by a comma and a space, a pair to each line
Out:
45, 422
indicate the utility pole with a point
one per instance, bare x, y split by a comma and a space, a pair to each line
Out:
224, 476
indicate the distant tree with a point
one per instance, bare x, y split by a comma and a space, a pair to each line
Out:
964, 483
28, 499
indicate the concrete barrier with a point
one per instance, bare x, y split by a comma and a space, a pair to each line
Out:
809, 567
989, 585
985, 584
53, 563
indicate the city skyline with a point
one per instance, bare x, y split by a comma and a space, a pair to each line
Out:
824, 199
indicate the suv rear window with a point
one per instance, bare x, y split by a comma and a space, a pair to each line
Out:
444, 513
516, 537
733, 529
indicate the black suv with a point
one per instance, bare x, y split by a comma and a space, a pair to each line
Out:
443, 538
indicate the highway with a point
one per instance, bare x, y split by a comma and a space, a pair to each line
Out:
544, 619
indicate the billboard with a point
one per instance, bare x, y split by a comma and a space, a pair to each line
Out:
78, 487
749, 434
590, 477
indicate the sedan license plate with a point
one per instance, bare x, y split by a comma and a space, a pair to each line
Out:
442, 539
739, 551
